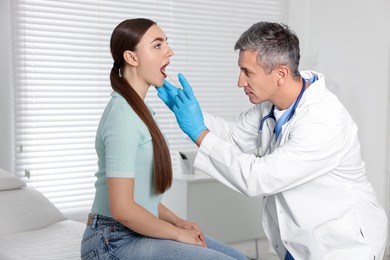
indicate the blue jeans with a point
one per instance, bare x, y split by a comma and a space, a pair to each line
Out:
106, 238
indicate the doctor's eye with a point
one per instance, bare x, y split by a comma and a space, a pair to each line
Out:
245, 71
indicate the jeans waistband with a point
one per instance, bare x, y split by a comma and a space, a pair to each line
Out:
96, 221
93, 219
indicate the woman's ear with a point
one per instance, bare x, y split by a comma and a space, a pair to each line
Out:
131, 58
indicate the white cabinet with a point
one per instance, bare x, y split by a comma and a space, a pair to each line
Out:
221, 213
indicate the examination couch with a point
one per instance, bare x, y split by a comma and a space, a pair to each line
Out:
31, 227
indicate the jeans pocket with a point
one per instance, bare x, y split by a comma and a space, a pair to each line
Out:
90, 244
90, 256
88, 236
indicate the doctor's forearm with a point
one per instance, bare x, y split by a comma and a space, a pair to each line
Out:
202, 135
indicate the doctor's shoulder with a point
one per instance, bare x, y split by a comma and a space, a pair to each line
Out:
328, 118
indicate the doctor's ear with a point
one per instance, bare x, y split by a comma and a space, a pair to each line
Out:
131, 58
281, 73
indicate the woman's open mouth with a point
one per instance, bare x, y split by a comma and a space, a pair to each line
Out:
162, 70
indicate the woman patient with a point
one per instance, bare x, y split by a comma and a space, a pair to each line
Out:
128, 220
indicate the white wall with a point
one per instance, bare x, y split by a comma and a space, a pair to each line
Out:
349, 41
6, 127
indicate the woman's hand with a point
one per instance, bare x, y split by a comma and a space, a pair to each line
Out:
188, 225
186, 231
190, 237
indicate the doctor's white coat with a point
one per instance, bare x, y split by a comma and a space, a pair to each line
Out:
318, 201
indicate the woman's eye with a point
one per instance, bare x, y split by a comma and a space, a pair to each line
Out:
157, 46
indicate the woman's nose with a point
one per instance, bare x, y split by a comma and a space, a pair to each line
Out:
170, 51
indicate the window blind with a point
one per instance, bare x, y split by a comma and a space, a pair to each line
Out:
61, 65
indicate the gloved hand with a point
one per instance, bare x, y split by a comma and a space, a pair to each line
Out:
165, 92
185, 106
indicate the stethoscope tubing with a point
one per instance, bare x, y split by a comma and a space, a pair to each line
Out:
271, 115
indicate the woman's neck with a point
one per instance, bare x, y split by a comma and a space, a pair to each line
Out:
137, 84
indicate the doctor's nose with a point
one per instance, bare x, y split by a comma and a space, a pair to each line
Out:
241, 82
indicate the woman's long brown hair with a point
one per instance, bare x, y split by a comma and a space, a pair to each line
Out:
126, 36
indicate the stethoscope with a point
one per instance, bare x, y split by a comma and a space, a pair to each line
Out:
287, 115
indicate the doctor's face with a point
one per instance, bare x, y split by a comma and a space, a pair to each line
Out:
258, 85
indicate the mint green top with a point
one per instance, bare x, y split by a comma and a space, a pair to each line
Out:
125, 150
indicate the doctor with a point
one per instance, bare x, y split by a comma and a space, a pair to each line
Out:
297, 146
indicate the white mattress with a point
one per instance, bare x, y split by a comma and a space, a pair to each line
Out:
57, 241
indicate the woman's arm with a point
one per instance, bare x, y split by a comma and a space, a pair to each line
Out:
169, 216
125, 210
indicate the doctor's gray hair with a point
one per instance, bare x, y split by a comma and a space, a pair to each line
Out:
275, 44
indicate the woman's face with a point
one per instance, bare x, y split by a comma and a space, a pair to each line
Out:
153, 52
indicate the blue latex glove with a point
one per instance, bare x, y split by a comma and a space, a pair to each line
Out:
185, 106
165, 92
